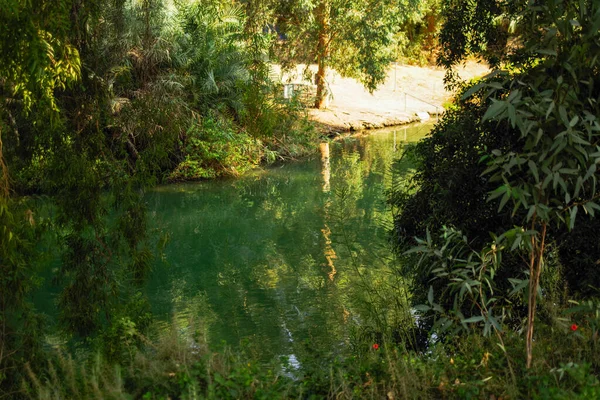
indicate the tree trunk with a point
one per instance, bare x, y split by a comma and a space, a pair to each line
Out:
322, 17
535, 268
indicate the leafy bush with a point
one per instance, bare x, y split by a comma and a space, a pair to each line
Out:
215, 148
538, 118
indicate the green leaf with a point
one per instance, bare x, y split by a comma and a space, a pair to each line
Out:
572, 216
495, 323
422, 308
588, 209
520, 284
530, 212
590, 206
430, 295
518, 239
562, 111
591, 170
494, 110
574, 121
512, 115
514, 95
474, 319
471, 91
540, 132
534, 170
504, 200
578, 186
550, 108
497, 192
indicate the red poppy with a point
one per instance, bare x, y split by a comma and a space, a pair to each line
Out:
375, 346
574, 327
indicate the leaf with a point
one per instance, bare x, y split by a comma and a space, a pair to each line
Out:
497, 192
422, 308
520, 285
562, 111
590, 206
504, 200
591, 170
512, 116
547, 180
495, 323
550, 108
471, 91
572, 216
430, 295
540, 132
534, 170
518, 239
532, 209
588, 209
578, 186
474, 319
515, 94
574, 121
494, 110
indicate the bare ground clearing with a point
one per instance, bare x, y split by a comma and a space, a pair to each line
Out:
407, 95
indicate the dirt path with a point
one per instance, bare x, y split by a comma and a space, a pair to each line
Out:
409, 92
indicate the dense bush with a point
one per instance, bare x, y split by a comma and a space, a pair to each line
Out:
500, 181
214, 148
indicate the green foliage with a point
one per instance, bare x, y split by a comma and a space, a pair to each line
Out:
213, 54
416, 41
553, 176
478, 29
470, 275
214, 148
356, 38
179, 364
532, 122
36, 57
21, 231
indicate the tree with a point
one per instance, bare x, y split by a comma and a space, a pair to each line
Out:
541, 96
356, 38
53, 111
552, 104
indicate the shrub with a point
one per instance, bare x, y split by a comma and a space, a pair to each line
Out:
215, 148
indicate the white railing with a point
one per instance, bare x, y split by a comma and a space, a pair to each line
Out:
437, 108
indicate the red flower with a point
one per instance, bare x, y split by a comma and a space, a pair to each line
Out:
574, 327
375, 346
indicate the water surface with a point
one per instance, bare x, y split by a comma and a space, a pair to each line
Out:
270, 259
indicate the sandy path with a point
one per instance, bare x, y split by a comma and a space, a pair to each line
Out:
408, 90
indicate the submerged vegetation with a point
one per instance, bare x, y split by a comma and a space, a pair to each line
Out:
491, 290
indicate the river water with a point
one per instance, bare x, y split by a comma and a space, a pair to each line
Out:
272, 260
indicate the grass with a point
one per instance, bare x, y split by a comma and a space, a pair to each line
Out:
180, 364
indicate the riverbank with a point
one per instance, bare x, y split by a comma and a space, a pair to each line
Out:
409, 94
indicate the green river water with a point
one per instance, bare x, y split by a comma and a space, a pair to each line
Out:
275, 259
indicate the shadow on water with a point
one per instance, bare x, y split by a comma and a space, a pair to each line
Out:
273, 256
